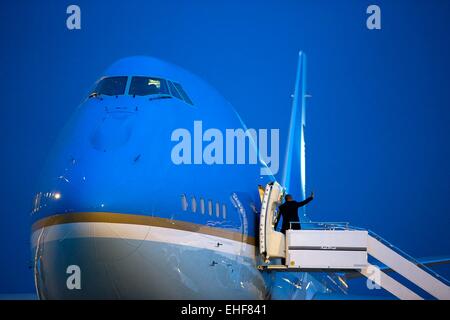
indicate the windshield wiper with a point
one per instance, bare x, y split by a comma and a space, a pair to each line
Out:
160, 96
95, 95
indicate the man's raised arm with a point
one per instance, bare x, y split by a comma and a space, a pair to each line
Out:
306, 201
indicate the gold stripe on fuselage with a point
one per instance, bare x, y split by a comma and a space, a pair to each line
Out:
111, 217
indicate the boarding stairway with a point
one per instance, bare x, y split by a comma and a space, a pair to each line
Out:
339, 247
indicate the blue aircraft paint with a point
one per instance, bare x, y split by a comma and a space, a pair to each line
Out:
93, 165
368, 100
114, 156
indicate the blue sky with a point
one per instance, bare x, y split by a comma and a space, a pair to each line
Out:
377, 124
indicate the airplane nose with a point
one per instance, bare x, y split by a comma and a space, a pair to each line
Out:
92, 260
103, 261
103, 254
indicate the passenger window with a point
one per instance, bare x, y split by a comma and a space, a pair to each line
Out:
210, 207
193, 204
145, 86
112, 86
202, 205
224, 211
183, 93
217, 209
184, 203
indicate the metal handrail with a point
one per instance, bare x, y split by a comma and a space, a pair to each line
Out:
404, 254
323, 225
347, 226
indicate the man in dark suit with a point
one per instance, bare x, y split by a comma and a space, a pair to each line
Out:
289, 211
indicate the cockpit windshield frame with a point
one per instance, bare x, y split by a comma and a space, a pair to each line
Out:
146, 86
110, 86
138, 85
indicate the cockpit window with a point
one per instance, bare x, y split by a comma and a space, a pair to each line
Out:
174, 91
144, 86
183, 93
177, 91
112, 86
155, 87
